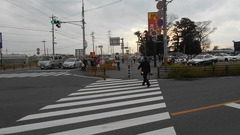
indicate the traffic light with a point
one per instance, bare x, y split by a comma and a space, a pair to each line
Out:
57, 22
53, 22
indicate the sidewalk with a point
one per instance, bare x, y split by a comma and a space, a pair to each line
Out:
134, 72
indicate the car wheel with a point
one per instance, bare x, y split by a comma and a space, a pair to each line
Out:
60, 65
226, 60
52, 66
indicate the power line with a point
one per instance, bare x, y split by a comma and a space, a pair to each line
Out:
96, 8
9, 33
25, 7
103, 6
21, 28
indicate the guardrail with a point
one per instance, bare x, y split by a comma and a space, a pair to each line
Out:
97, 71
198, 71
17, 66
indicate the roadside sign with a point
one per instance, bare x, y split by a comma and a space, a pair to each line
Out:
114, 41
160, 5
92, 53
160, 22
160, 14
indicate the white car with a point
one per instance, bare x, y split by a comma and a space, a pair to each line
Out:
238, 57
72, 63
225, 57
202, 60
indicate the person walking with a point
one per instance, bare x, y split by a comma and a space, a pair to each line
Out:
145, 66
117, 60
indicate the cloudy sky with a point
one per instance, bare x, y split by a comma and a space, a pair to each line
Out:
26, 23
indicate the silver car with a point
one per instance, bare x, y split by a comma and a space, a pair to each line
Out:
72, 63
50, 62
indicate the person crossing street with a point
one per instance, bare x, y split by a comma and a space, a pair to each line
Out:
145, 69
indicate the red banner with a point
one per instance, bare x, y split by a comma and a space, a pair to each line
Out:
153, 28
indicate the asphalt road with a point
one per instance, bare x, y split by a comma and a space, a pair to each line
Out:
196, 107
20, 96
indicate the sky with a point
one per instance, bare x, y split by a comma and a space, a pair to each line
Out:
26, 23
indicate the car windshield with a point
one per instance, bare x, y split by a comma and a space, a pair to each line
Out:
45, 58
70, 60
199, 57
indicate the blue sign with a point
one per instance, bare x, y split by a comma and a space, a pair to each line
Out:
160, 22
0, 40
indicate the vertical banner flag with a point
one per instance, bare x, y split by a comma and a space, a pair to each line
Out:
0, 40
153, 28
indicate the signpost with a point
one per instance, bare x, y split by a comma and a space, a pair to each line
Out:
78, 53
101, 46
0, 40
1, 47
38, 51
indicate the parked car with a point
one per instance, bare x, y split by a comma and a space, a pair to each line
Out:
225, 57
50, 62
238, 56
72, 63
202, 60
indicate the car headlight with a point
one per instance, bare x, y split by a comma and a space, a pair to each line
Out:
48, 63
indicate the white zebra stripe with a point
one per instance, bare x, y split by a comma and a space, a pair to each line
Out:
99, 100
73, 120
105, 94
110, 90
92, 108
116, 125
164, 131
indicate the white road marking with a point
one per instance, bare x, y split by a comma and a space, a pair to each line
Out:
164, 131
91, 108
116, 125
105, 94
19, 75
110, 90
73, 120
99, 100
234, 105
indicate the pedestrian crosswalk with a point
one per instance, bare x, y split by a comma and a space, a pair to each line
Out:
106, 107
34, 74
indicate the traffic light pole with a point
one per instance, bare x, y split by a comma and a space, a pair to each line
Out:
53, 42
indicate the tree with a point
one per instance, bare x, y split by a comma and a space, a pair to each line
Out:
185, 37
147, 46
203, 33
190, 37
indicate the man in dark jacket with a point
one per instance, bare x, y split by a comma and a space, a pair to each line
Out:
145, 70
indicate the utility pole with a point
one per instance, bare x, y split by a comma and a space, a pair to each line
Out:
83, 27
165, 32
109, 36
92, 34
53, 38
122, 50
44, 46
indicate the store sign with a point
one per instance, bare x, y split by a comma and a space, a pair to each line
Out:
153, 28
